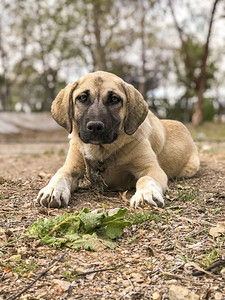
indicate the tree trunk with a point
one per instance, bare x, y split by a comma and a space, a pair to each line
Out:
142, 79
197, 117
99, 51
200, 80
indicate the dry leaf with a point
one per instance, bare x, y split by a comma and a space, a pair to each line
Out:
215, 231
3, 238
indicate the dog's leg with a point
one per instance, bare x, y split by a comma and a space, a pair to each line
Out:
151, 184
191, 167
57, 192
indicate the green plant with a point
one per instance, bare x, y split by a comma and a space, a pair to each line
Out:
216, 210
213, 254
49, 152
82, 229
61, 152
186, 195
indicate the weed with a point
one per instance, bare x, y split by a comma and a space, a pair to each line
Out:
190, 240
186, 195
1, 196
69, 274
23, 268
35, 155
132, 239
61, 152
146, 216
49, 152
216, 210
213, 255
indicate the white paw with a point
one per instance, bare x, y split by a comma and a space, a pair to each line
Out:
56, 196
152, 194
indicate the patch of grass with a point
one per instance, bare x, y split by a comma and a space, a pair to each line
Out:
23, 268
69, 275
61, 152
186, 195
213, 254
208, 131
147, 216
216, 210
49, 152
35, 155
1, 196
190, 240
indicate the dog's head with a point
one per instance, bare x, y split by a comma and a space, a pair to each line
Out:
101, 104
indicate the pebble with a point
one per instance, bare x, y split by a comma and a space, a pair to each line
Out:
177, 292
126, 283
156, 296
218, 296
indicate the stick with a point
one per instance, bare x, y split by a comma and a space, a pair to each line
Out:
38, 277
97, 271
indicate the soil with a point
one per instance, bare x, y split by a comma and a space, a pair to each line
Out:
176, 247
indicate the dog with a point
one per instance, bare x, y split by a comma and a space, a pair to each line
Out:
114, 136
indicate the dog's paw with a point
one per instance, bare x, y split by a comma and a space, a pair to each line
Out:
54, 197
152, 194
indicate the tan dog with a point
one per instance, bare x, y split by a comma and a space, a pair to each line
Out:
115, 135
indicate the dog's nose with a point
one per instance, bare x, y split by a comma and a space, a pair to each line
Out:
95, 126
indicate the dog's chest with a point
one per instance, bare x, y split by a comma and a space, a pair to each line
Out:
109, 175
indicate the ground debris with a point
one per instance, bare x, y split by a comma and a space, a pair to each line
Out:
172, 247
181, 293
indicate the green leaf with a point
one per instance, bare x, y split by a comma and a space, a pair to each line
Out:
80, 230
115, 229
90, 221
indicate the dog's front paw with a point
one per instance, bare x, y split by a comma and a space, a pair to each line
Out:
54, 197
151, 193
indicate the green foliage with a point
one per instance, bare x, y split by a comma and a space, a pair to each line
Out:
208, 109
186, 195
81, 230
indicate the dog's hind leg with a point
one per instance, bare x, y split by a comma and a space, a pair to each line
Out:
191, 167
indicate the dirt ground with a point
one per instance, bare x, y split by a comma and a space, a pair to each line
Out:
179, 251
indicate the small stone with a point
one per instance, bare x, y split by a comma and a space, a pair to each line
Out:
61, 287
126, 283
22, 250
222, 272
177, 292
156, 296
218, 296
137, 277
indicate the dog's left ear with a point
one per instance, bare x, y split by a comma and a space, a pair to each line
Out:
137, 109
62, 107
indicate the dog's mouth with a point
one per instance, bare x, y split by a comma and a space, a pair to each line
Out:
98, 140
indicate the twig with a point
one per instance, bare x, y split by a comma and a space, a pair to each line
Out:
38, 277
177, 276
14, 241
98, 271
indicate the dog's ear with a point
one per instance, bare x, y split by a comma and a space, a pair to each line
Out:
137, 109
62, 107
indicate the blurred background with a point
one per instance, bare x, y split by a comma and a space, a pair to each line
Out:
172, 51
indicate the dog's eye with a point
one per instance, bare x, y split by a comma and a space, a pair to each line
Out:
82, 97
114, 99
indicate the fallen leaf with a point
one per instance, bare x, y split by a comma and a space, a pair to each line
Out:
215, 231
3, 238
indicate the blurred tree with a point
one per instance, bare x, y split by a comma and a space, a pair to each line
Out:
198, 75
195, 50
